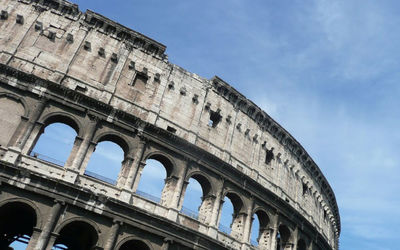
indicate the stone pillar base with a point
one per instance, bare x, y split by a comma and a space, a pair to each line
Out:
70, 175
172, 214
212, 232
125, 195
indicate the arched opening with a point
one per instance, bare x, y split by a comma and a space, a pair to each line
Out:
192, 200
55, 143
16, 224
282, 237
255, 229
260, 232
197, 201
134, 245
230, 215
10, 112
301, 245
153, 177
105, 162
77, 235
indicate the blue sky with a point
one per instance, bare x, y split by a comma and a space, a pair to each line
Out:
327, 71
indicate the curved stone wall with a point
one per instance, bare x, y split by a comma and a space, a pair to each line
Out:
58, 64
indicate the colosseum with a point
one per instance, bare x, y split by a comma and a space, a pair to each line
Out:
109, 83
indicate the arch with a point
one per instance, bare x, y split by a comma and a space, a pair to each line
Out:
263, 216
132, 242
196, 196
11, 111
28, 203
164, 159
62, 117
237, 202
77, 235
283, 236
106, 161
17, 99
115, 138
18, 220
153, 177
52, 147
76, 218
259, 228
203, 180
236, 205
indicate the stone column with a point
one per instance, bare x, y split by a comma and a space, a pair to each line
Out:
86, 157
77, 143
125, 168
216, 208
181, 185
30, 124
112, 236
219, 200
167, 194
34, 238
248, 222
135, 169
78, 156
295, 238
206, 208
52, 240
238, 226
265, 238
48, 227
34, 134
274, 243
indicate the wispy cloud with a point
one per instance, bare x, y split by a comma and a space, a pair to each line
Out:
326, 70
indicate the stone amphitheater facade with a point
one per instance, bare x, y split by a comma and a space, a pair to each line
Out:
110, 83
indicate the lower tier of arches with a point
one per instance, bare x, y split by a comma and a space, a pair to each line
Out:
57, 215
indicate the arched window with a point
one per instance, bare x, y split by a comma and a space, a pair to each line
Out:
230, 213
255, 229
55, 143
282, 237
226, 219
134, 244
77, 235
10, 113
197, 201
152, 180
105, 162
16, 224
260, 232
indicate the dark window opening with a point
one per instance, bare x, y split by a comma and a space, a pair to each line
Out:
171, 129
304, 189
269, 156
140, 79
215, 118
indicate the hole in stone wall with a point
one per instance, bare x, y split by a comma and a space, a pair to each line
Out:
304, 189
171, 129
215, 118
269, 156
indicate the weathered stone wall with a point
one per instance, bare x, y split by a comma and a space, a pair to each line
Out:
102, 60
